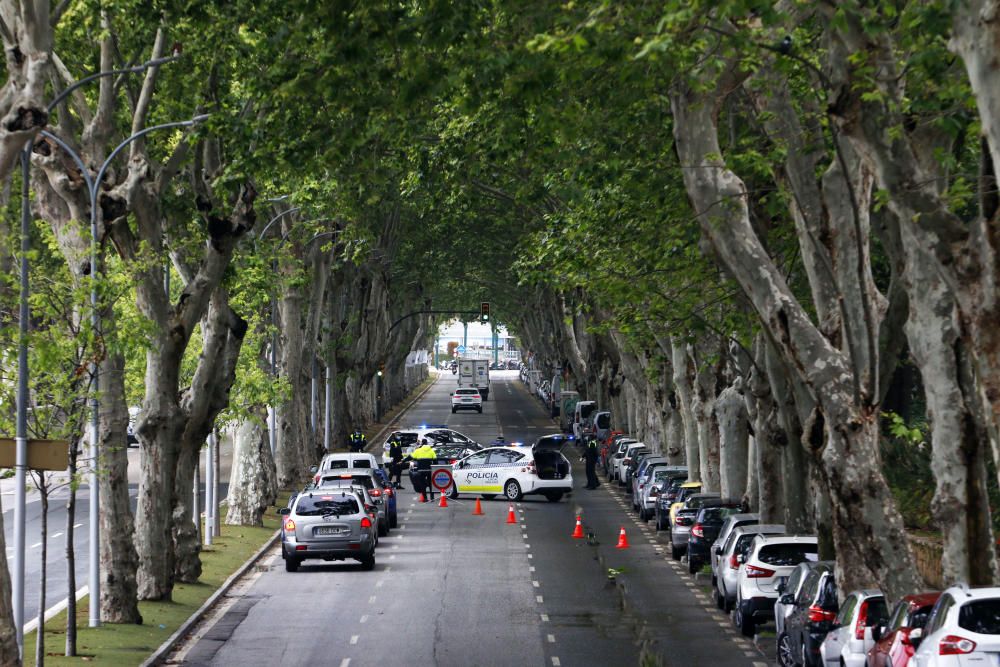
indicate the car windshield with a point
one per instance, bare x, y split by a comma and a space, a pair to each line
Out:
467, 392
585, 410
366, 480
787, 554
361, 463
714, 516
918, 619
321, 505
603, 420
981, 616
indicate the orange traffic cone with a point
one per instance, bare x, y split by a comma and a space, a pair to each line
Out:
444, 501
478, 510
422, 499
511, 517
622, 540
578, 531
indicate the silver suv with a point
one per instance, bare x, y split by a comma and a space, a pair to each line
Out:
331, 525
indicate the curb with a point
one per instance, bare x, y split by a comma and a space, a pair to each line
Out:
166, 647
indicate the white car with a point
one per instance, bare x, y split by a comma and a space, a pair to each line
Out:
963, 629
847, 644
769, 561
514, 472
620, 464
344, 461
435, 434
466, 398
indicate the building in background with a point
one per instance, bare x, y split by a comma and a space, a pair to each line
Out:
480, 342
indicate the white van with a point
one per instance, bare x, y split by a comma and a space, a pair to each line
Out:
344, 461
581, 416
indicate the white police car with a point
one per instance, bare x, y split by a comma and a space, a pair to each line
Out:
435, 434
514, 472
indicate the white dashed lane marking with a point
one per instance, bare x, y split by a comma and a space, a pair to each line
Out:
545, 618
551, 638
354, 639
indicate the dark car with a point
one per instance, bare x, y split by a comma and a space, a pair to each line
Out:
811, 618
447, 454
706, 528
892, 643
671, 494
637, 458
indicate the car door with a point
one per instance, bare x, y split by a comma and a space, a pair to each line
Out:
505, 464
796, 622
837, 637
464, 473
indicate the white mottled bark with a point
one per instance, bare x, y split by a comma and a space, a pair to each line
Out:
253, 482
734, 445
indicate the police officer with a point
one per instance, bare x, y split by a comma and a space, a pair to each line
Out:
424, 456
356, 441
590, 453
395, 462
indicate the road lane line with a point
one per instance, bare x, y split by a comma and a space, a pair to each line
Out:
531, 568
378, 584
57, 535
36, 544
77, 525
545, 618
539, 599
345, 662
354, 639
536, 584
555, 662
551, 638
371, 600
364, 618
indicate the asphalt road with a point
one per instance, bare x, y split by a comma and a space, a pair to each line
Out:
451, 588
56, 569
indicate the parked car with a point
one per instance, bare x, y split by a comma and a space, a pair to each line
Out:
731, 523
687, 490
963, 629
330, 526
892, 643
631, 450
733, 551
848, 643
705, 529
684, 520
633, 465
662, 478
810, 619
617, 455
787, 592
641, 476
665, 500
769, 560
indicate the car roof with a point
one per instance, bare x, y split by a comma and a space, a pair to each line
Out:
921, 599
962, 592
756, 528
787, 539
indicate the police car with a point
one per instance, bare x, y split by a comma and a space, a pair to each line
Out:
514, 472
435, 434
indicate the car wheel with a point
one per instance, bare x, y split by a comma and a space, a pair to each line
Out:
453, 411
512, 490
368, 562
693, 565
394, 521
720, 601
785, 657
489, 496
480, 411
744, 621
554, 496
383, 528
675, 552
453, 494
292, 564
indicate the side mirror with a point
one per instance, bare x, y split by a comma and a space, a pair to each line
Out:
741, 559
787, 598
285, 511
313, 468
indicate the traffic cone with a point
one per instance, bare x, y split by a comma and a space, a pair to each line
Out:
478, 510
444, 501
511, 517
578, 531
622, 540
422, 499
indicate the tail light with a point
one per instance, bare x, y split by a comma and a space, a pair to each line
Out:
754, 572
366, 522
451, 461
389, 492
733, 563
530, 468
955, 645
477, 396
642, 486
289, 526
682, 520
859, 625
698, 530
817, 614
316, 478
375, 493
626, 461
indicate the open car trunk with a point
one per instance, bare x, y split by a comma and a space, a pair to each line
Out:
550, 464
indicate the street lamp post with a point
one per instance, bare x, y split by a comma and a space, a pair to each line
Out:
21, 429
95, 321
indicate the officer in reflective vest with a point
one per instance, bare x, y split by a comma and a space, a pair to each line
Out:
424, 456
356, 441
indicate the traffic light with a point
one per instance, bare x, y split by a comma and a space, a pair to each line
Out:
484, 312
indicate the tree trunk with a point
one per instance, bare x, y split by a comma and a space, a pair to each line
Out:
186, 536
682, 383
253, 483
119, 561
734, 446
703, 408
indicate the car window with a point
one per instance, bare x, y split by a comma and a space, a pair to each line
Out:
877, 612
321, 505
808, 591
981, 616
846, 611
918, 619
361, 463
504, 457
585, 410
743, 545
337, 464
603, 420
787, 554
793, 580
898, 618
476, 459
939, 613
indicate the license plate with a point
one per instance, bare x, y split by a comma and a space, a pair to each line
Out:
328, 530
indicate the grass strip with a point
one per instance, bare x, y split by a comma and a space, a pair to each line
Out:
129, 645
